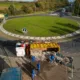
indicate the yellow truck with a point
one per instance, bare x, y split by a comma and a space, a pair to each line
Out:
41, 49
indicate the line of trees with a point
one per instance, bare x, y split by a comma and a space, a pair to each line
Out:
76, 8
40, 5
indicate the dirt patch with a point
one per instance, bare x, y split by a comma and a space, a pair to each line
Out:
2, 8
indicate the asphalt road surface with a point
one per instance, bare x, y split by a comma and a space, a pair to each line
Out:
69, 48
72, 48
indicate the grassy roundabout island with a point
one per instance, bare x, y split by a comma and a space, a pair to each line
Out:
42, 25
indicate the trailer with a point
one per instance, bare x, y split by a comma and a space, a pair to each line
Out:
40, 50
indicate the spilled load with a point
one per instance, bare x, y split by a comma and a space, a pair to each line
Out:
40, 50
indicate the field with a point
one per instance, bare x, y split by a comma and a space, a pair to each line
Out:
4, 5
42, 25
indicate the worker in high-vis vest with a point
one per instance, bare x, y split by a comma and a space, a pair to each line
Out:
38, 66
50, 58
33, 58
33, 74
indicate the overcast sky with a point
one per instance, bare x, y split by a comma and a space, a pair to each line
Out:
71, 0
21, 0
33, 0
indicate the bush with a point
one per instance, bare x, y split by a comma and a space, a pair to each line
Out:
6, 11
33, 8
40, 5
1, 11
26, 9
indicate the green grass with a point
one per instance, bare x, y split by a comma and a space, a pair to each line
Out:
42, 25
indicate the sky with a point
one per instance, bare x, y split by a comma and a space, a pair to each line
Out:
21, 0
71, 0
28, 0
33, 0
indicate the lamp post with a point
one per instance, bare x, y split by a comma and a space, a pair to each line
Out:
72, 71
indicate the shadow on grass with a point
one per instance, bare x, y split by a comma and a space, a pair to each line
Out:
62, 31
68, 25
59, 32
20, 32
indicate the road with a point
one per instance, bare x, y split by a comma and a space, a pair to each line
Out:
69, 48
72, 48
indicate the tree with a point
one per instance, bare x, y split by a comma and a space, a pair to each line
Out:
6, 11
33, 7
12, 10
26, 9
40, 5
29, 10
53, 4
76, 7
46, 6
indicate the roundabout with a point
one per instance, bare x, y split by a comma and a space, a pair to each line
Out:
40, 27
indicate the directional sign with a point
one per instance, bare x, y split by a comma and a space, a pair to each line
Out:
24, 30
63, 9
62, 13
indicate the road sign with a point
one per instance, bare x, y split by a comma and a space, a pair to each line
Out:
63, 9
24, 30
